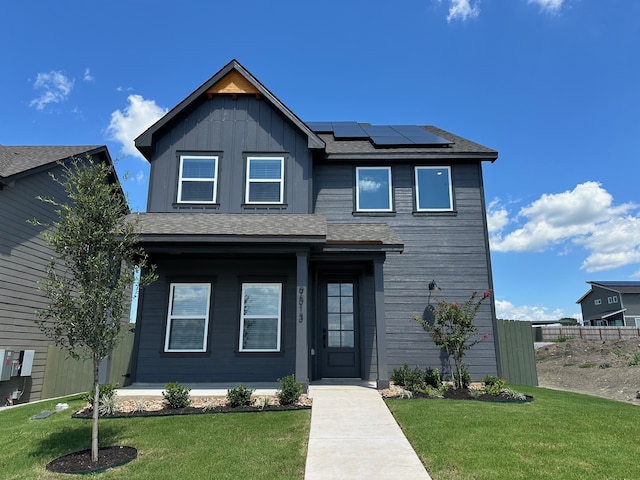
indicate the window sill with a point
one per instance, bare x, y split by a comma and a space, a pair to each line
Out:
374, 214
435, 213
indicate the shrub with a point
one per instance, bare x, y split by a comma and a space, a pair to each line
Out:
507, 392
635, 361
107, 405
176, 395
238, 396
290, 390
411, 378
493, 385
106, 390
432, 377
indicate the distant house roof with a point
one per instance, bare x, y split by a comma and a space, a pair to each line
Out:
624, 287
231, 74
17, 160
312, 229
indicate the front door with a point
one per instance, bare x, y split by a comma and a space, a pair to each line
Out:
338, 323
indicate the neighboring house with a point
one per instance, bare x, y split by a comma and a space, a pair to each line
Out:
290, 247
24, 256
611, 304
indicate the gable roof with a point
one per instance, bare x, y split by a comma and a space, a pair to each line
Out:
222, 79
18, 160
623, 287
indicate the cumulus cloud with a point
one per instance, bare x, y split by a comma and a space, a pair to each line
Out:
55, 88
508, 311
463, 10
549, 6
585, 216
369, 185
138, 115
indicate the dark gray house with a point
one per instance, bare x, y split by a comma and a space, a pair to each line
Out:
285, 246
611, 303
25, 175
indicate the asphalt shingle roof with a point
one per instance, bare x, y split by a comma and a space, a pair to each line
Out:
620, 286
19, 159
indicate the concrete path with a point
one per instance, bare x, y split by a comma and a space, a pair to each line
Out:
354, 436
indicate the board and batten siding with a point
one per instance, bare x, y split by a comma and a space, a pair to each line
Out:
24, 256
450, 248
231, 129
222, 362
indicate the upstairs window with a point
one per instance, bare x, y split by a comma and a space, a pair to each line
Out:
613, 299
260, 317
188, 317
597, 301
373, 189
433, 189
265, 180
198, 179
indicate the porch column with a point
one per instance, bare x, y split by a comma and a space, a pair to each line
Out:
302, 336
381, 324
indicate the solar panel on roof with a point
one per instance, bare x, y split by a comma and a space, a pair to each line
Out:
420, 136
348, 130
324, 127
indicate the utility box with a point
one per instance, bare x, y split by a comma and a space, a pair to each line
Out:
26, 362
6, 356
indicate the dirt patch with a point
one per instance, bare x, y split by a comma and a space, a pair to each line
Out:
594, 367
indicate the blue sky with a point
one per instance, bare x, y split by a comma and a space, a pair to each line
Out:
553, 85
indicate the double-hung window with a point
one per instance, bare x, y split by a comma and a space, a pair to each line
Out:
198, 181
373, 189
188, 317
433, 189
265, 180
260, 317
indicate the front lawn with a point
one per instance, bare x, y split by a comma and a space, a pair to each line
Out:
560, 435
260, 445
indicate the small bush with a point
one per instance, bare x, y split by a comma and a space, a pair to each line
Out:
562, 339
176, 395
409, 378
107, 405
493, 385
290, 390
106, 390
635, 361
238, 396
432, 377
507, 392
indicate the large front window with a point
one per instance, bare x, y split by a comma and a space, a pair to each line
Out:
260, 317
433, 189
198, 179
188, 317
265, 180
373, 189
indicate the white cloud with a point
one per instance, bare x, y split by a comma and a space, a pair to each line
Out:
368, 185
55, 87
87, 77
138, 115
549, 6
584, 216
463, 10
139, 177
508, 311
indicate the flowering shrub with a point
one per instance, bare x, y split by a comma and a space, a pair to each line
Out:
452, 329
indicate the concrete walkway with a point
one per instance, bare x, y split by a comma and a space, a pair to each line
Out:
354, 436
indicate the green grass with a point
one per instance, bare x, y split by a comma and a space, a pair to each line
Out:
260, 445
560, 435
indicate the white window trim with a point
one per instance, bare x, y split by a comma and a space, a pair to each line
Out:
242, 318
187, 179
249, 181
171, 317
390, 192
418, 209
597, 301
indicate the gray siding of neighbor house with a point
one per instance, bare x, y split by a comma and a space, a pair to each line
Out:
450, 248
222, 362
590, 309
631, 302
230, 129
24, 257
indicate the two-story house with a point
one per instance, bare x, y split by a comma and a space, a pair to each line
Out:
25, 175
285, 246
611, 303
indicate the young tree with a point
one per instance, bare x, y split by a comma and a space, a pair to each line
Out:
89, 279
451, 328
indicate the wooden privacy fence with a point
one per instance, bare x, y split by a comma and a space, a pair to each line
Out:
590, 333
517, 355
64, 375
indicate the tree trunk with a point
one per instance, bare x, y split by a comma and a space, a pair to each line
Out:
96, 403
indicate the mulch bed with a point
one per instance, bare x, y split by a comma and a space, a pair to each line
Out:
80, 462
87, 413
465, 394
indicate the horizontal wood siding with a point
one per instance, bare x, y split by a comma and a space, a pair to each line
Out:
450, 248
222, 362
231, 129
24, 257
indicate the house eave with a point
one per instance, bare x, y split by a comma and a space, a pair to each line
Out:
413, 156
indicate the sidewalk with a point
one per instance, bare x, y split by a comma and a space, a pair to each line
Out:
354, 436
